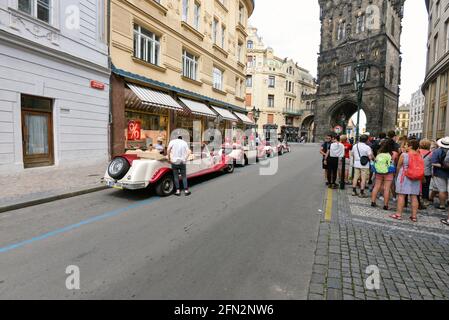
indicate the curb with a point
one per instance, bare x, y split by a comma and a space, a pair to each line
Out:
32, 203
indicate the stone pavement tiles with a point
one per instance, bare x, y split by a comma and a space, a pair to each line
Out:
45, 182
413, 259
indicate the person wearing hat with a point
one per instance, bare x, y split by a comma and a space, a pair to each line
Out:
159, 146
440, 177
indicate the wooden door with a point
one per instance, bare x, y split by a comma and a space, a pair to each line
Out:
37, 133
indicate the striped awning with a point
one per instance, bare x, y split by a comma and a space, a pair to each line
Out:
225, 114
198, 108
244, 118
154, 98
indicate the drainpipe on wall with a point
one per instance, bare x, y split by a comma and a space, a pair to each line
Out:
108, 31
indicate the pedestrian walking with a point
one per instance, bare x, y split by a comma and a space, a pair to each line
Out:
385, 170
348, 148
323, 151
426, 153
178, 154
409, 179
440, 173
334, 154
362, 155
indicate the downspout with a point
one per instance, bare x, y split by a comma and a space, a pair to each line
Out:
108, 31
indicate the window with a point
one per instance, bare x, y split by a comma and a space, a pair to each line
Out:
239, 51
438, 9
270, 101
249, 81
360, 26
251, 62
250, 44
446, 31
215, 31
40, 9
435, 48
189, 65
270, 118
391, 75
341, 31
196, 15
347, 74
241, 14
146, 45
218, 79
223, 36
271, 81
185, 10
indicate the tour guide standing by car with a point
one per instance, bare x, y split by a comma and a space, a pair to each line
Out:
178, 153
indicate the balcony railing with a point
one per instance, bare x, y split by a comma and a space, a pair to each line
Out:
294, 112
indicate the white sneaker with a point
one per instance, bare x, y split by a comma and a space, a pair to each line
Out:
381, 198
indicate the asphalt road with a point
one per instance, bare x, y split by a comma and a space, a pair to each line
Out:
239, 236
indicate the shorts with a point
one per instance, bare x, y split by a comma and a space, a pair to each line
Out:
439, 184
361, 173
385, 177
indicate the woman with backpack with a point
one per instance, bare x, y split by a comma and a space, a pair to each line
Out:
385, 169
409, 179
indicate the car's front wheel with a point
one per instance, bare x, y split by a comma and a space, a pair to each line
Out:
165, 186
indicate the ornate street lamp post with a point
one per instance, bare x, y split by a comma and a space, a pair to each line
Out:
361, 76
256, 115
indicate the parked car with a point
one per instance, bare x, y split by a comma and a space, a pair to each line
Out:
139, 170
283, 147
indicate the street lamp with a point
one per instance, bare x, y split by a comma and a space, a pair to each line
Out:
256, 115
361, 76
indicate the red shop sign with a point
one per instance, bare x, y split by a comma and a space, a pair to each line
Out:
134, 127
97, 85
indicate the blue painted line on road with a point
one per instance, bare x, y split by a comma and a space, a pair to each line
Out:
71, 227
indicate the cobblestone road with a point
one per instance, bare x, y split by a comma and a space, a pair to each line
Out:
413, 259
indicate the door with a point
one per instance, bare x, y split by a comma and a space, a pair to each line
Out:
37, 132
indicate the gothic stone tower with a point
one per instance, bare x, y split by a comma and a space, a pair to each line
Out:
354, 30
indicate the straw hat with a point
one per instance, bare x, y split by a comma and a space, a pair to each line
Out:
443, 143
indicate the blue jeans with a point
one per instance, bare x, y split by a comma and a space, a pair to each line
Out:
180, 169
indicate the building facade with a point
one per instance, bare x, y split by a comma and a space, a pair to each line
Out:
54, 84
351, 32
403, 122
435, 87
175, 62
417, 114
280, 88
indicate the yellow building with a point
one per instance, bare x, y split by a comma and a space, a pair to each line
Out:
174, 61
280, 88
403, 121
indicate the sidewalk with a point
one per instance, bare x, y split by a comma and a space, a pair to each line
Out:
413, 259
38, 185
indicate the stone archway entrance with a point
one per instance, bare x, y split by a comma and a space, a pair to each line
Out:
308, 128
340, 114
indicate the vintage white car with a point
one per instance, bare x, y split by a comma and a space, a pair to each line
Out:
139, 170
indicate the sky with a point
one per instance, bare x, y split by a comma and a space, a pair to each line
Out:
292, 29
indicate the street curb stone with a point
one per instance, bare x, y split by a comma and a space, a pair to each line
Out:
31, 203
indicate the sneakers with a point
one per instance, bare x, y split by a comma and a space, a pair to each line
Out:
187, 193
363, 196
355, 194
178, 193
373, 204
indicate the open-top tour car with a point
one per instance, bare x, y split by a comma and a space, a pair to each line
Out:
138, 170
235, 152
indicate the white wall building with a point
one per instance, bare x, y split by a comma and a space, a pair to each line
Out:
417, 103
54, 83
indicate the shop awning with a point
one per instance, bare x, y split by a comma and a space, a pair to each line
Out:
198, 108
155, 98
245, 119
225, 114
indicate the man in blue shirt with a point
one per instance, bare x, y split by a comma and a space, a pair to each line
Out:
440, 175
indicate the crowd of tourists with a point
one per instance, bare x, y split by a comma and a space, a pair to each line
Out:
390, 169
